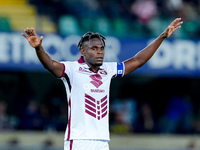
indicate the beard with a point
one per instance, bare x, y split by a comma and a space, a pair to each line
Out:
98, 64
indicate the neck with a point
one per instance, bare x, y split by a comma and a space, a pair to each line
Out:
93, 68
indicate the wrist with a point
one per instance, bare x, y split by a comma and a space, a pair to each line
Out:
163, 36
38, 47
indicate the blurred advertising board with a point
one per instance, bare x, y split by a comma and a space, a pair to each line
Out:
175, 57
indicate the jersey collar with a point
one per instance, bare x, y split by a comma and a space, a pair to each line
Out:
81, 61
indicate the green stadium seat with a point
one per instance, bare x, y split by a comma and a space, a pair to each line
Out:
4, 24
120, 27
103, 26
157, 25
86, 25
189, 29
68, 25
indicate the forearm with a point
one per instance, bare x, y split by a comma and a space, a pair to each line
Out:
44, 58
143, 56
51, 65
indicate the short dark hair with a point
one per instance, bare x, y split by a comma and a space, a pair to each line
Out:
90, 35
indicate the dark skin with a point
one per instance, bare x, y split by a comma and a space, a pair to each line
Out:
93, 51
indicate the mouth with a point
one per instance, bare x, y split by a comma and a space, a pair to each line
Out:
99, 58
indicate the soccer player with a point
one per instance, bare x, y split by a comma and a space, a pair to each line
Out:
87, 83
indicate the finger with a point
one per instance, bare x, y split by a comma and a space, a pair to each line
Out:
41, 38
25, 36
178, 24
177, 28
33, 31
28, 32
176, 21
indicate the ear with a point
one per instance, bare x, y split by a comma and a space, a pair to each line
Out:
82, 51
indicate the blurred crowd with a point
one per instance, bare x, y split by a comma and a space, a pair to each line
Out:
127, 115
132, 18
131, 116
34, 116
144, 111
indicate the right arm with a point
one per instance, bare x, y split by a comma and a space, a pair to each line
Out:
55, 67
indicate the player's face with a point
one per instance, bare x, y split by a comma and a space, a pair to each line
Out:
93, 52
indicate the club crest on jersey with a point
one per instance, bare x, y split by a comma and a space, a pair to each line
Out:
96, 108
96, 80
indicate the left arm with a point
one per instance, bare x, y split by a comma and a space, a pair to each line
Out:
144, 55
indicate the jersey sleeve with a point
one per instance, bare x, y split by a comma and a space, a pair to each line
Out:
116, 69
67, 68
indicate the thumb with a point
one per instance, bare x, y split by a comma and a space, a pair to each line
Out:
41, 38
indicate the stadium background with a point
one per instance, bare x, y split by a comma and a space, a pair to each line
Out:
157, 107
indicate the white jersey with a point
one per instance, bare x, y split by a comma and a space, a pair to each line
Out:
88, 99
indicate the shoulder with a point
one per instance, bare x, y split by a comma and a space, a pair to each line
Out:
109, 64
115, 68
69, 63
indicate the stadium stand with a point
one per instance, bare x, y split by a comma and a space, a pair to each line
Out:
71, 23
21, 15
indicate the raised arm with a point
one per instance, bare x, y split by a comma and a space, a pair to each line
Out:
144, 55
55, 67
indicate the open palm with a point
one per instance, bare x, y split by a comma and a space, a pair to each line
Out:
32, 38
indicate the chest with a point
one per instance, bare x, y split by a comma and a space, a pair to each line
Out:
86, 80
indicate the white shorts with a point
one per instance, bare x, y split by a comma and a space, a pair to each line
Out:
86, 145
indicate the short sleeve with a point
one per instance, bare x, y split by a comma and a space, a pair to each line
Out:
67, 65
115, 69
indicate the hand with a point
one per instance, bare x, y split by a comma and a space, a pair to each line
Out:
176, 24
32, 38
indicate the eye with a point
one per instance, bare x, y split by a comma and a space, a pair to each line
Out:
102, 48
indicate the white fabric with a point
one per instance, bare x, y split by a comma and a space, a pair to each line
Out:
86, 145
88, 100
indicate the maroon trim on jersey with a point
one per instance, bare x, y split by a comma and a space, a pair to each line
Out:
103, 110
68, 82
104, 114
71, 143
69, 121
66, 77
90, 113
103, 99
63, 73
105, 103
90, 97
81, 60
89, 102
90, 108
96, 108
